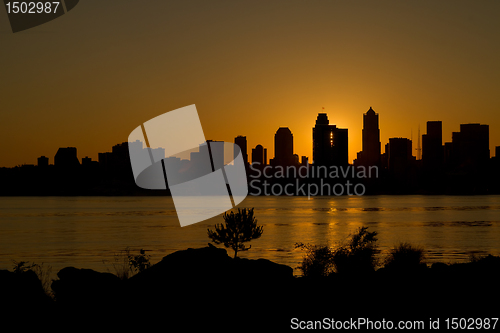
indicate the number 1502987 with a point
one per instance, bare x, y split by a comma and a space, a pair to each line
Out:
471, 323
31, 7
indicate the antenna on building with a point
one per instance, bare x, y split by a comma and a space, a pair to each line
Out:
419, 147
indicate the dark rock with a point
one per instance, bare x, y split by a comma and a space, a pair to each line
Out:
86, 288
207, 265
182, 266
262, 269
207, 284
439, 267
22, 290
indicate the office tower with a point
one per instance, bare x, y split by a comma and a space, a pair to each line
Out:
217, 153
283, 147
259, 155
43, 162
370, 154
120, 155
241, 141
432, 146
66, 158
105, 159
209, 157
469, 147
399, 155
158, 153
330, 144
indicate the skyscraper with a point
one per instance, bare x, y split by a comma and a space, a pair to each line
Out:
370, 154
241, 141
399, 156
259, 155
330, 144
283, 147
470, 148
432, 146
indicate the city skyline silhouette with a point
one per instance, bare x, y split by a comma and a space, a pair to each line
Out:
443, 165
476, 133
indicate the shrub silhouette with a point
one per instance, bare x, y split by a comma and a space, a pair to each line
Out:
405, 256
239, 228
355, 255
317, 261
358, 253
42, 272
139, 262
126, 264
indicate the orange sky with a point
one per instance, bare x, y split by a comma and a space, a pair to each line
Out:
88, 78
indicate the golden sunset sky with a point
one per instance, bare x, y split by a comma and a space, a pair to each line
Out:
88, 78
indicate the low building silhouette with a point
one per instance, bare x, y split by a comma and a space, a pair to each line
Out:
43, 162
66, 158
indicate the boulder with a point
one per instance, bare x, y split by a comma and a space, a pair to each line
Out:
86, 288
207, 284
22, 290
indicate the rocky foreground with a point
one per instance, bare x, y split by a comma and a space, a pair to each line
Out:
206, 289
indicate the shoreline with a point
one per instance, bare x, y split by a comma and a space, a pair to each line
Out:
188, 279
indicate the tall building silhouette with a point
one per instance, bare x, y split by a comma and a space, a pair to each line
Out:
371, 151
470, 148
217, 153
241, 141
330, 144
66, 158
259, 155
399, 155
432, 146
283, 148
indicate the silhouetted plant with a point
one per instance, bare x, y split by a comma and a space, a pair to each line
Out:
239, 228
121, 263
42, 272
126, 263
139, 262
405, 256
317, 260
356, 255
22, 266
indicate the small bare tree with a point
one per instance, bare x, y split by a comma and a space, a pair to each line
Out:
239, 228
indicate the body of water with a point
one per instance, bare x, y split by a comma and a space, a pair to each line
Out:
87, 232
